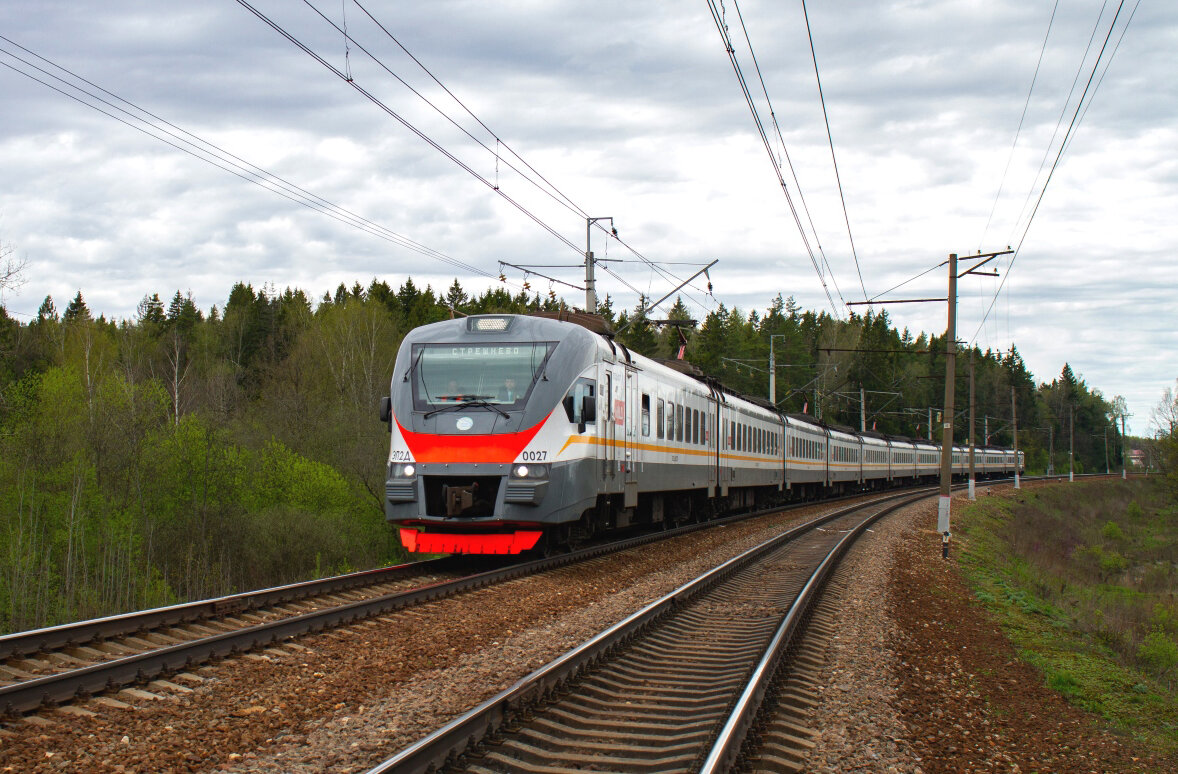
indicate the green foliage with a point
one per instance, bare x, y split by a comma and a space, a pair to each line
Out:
1112, 531
1158, 653
1085, 599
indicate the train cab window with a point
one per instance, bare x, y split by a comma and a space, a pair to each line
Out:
645, 414
660, 418
576, 407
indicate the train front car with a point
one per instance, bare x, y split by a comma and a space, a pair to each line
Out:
480, 411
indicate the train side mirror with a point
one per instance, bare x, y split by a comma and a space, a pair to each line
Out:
386, 411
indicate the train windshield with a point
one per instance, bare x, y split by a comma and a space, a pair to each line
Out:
502, 374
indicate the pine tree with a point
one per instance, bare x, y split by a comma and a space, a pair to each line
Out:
77, 311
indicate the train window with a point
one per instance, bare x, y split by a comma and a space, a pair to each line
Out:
670, 421
645, 414
659, 418
679, 423
574, 402
695, 425
447, 374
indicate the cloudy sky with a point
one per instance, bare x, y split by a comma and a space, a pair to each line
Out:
628, 110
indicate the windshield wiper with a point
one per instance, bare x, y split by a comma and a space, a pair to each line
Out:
479, 401
409, 370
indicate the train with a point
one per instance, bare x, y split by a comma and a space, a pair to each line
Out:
516, 433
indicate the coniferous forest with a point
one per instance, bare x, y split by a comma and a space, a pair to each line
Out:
188, 453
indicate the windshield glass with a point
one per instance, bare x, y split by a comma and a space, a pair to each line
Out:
503, 374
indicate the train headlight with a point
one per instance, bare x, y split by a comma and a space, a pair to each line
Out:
532, 472
521, 471
408, 470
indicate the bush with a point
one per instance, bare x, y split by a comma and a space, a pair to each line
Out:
1112, 531
1113, 563
1158, 653
1134, 511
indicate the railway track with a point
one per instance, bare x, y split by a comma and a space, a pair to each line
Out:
674, 687
53, 666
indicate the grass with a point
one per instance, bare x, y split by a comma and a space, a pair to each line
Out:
1083, 579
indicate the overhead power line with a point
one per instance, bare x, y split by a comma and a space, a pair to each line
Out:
1063, 111
160, 129
540, 182
833, 158
1018, 131
722, 27
408, 125
781, 140
1059, 155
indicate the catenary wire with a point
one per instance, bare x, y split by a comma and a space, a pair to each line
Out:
910, 279
221, 158
507, 147
717, 17
554, 193
833, 159
377, 231
781, 141
1059, 122
559, 198
408, 125
1107, 64
1063, 145
1018, 131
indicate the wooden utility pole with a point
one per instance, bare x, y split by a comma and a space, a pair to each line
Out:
1071, 443
950, 361
1123, 476
947, 419
1014, 422
972, 493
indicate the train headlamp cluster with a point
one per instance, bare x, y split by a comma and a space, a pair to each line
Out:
530, 471
406, 471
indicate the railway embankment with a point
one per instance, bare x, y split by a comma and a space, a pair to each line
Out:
1000, 659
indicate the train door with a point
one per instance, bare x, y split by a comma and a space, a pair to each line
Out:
632, 416
608, 430
713, 442
826, 442
722, 448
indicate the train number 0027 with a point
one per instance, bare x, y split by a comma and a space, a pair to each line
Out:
534, 456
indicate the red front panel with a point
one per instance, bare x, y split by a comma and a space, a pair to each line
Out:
494, 448
450, 543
